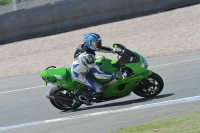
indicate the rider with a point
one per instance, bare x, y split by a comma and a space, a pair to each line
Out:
84, 58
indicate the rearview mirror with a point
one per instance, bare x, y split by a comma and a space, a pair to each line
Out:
116, 45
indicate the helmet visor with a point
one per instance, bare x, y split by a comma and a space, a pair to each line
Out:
97, 45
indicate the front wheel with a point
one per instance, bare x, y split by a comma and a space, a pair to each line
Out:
150, 86
60, 104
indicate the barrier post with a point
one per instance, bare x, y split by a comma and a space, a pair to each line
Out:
15, 5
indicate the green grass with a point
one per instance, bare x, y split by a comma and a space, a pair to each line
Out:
4, 2
189, 123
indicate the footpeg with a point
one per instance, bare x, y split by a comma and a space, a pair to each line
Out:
86, 101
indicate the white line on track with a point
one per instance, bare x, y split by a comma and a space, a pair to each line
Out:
175, 63
22, 89
149, 67
195, 98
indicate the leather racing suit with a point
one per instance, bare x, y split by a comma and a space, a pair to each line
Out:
84, 63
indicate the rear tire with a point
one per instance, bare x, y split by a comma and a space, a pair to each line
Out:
60, 104
150, 86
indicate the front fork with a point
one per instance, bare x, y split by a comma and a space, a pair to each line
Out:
147, 73
144, 82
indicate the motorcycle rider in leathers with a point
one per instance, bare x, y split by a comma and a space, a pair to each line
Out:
83, 63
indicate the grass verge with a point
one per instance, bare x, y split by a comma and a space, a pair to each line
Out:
189, 123
4, 2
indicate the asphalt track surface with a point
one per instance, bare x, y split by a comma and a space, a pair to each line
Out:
24, 108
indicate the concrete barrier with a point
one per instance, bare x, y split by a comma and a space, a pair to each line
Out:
70, 15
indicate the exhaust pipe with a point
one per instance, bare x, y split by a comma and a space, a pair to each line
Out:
58, 98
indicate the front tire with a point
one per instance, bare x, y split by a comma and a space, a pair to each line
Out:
150, 86
60, 104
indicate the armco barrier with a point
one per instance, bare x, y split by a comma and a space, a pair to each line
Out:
74, 14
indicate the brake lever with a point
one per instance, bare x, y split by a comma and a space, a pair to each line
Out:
118, 57
124, 75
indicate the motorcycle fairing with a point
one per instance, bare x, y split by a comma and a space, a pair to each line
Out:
121, 87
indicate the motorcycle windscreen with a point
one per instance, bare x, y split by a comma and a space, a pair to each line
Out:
129, 57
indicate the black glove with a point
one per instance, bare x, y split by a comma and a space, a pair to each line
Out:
117, 75
117, 51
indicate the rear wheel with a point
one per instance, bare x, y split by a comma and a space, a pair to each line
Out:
60, 104
150, 86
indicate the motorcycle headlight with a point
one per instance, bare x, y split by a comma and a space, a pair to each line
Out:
144, 63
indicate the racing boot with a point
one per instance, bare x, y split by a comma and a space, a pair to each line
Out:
96, 96
86, 97
89, 97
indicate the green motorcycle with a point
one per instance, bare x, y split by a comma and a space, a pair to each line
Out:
135, 78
